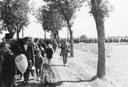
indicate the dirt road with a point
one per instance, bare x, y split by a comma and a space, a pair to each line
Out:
75, 74
81, 68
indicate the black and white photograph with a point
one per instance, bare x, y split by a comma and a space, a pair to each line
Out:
63, 43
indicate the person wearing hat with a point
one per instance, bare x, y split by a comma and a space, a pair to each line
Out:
9, 51
27, 49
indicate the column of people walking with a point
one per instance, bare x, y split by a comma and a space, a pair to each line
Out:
38, 53
35, 51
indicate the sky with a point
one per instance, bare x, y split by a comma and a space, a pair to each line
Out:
115, 25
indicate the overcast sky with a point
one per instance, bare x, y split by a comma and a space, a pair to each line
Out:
115, 25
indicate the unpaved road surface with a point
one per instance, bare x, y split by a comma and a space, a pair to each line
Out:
81, 68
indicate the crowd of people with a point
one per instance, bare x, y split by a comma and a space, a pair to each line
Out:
38, 53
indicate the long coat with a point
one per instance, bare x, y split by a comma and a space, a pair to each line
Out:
49, 53
29, 52
9, 67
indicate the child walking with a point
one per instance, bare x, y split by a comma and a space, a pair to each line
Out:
38, 64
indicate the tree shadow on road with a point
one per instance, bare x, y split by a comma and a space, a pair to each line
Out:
56, 83
31, 85
69, 81
56, 65
60, 65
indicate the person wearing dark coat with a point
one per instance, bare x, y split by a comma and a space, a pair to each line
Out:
38, 63
27, 49
49, 53
42, 47
9, 52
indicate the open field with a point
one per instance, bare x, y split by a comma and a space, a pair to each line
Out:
116, 61
83, 66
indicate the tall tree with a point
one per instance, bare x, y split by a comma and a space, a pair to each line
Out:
50, 20
1, 27
14, 15
67, 9
20, 15
43, 17
100, 9
57, 24
5, 14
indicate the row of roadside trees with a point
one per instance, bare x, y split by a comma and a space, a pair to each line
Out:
115, 39
59, 13
14, 15
54, 15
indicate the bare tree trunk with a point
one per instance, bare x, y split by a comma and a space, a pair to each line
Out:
18, 29
99, 20
11, 31
101, 47
71, 39
22, 32
17, 34
58, 36
44, 34
58, 39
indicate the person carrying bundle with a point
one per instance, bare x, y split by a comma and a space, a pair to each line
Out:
28, 51
9, 51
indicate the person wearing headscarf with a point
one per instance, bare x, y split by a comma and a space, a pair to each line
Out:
9, 51
49, 53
